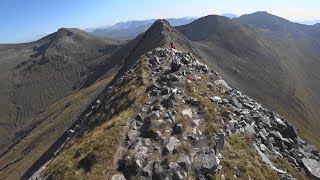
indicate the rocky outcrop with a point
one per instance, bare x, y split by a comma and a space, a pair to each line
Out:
168, 138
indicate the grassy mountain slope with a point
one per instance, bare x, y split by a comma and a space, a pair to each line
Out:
35, 75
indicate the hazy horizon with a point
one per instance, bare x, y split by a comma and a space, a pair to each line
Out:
25, 21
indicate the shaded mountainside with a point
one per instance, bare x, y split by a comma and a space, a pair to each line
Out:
278, 66
38, 81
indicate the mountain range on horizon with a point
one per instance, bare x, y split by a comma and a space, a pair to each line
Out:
69, 98
124, 27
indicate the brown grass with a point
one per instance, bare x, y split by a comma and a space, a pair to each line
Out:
54, 121
283, 164
240, 158
103, 141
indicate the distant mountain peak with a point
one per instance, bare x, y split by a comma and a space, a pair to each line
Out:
161, 23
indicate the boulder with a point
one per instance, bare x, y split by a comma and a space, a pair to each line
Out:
185, 60
279, 122
192, 101
173, 166
175, 66
234, 101
263, 148
232, 125
177, 175
147, 170
312, 167
196, 122
138, 118
206, 163
289, 132
210, 86
265, 120
173, 77
171, 145
158, 171
184, 162
216, 99
165, 90
219, 140
177, 129
132, 135
222, 82
226, 114
250, 129
118, 177
187, 112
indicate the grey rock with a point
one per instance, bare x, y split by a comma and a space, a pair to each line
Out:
132, 135
139, 118
172, 144
250, 129
289, 132
147, 170
187, 112
173, 166
219, 140
222, 82
158, 170
154, 61
206, 163
177, 129
226, 114
184, 162
165, 90
216, 99
312, 167
266, 159
185, 60
293, 161
156, 123
232, 125
234, 101
210, 86
196, 122
265, 120
248, 118
118, 177
225, 102
279, 122
177, 175
263, 147
174, 78
192, 101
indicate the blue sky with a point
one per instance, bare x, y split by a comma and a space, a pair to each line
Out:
25, 20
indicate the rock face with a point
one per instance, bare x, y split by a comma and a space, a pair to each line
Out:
169, 135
